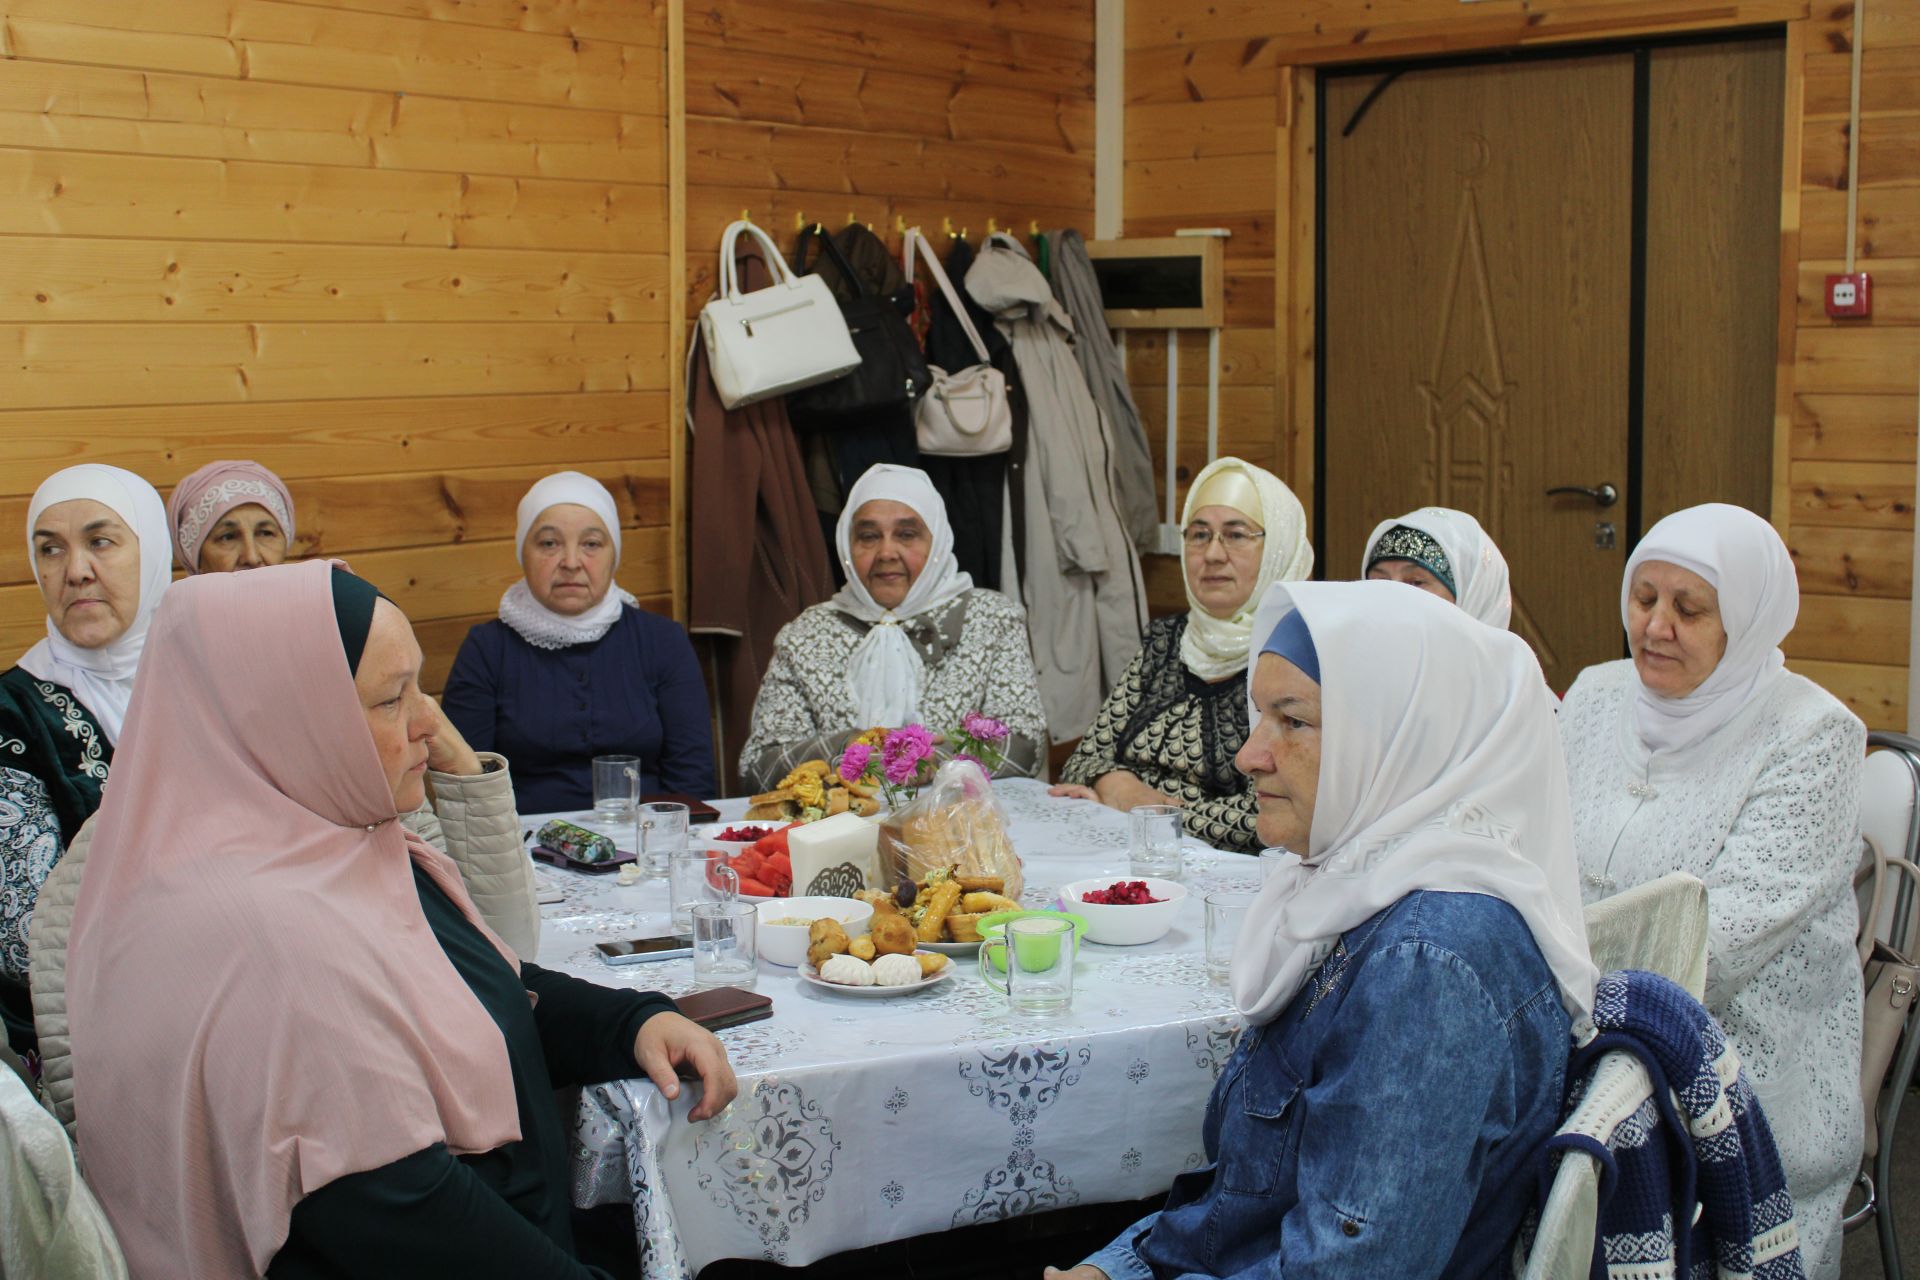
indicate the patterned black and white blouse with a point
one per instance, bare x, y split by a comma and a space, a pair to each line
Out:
1179, 734
977, 659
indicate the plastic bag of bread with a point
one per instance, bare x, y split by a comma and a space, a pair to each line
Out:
953, 822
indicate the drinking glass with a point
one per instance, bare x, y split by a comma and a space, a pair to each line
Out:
1272, 860
725, 953
1226, 912
616, 786
1155, 850
691, 876
1038, 954
660, 831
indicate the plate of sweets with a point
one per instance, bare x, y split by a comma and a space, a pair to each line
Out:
944, 909
882, 961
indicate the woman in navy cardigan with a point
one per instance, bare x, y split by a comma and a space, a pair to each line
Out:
575, 669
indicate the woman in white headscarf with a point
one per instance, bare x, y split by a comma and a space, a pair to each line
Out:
574, 668
98, 543
908, 640
1412, 975
1168, 731
1447, 553
1703, 754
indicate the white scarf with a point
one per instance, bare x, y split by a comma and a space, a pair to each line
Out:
1479, 570
886, 676
1440, 769
103, 678
1213, 648
538, 625
1745, 561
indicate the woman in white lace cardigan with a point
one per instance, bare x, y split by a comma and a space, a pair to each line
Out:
1704, 754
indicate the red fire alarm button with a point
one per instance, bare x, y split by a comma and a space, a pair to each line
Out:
1849, 296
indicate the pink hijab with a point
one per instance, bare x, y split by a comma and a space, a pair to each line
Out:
258, 1005
197, 503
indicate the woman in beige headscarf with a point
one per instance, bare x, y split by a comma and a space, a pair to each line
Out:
1170, 728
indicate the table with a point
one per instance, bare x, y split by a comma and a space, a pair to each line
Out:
865, 1121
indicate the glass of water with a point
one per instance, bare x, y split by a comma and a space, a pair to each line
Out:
725, 951
616, 788
660, 831
697, 875
1226, 913
1155, 849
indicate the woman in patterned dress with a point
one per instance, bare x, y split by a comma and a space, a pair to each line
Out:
97, 540
908, 640
1703, 754
1170, 728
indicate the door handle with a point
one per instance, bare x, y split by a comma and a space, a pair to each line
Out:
1603, 495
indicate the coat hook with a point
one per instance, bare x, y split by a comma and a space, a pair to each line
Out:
799, 222
993, 225
746, 215
850, 218
946, 225
900, 224
1033, 228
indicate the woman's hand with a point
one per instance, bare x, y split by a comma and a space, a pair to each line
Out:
1122, 790
668, 1042
1085, 1271
447, 751
1073, 791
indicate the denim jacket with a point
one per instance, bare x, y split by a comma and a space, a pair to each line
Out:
1387, 1124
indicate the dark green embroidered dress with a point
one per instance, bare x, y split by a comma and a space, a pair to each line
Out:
53, 763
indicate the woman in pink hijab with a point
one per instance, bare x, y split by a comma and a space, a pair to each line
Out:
228, 516
297, 1050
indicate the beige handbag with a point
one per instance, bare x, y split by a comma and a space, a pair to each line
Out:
1891, 980
964, 414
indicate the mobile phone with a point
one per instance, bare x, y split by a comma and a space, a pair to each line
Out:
645, 950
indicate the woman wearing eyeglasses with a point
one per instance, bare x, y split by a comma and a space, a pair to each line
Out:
1170, 728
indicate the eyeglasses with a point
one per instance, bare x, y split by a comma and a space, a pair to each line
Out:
1198, 536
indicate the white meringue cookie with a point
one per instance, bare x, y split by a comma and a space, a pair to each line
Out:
848, 971
895, 971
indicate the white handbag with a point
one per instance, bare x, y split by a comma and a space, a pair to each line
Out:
774, 340
964, 414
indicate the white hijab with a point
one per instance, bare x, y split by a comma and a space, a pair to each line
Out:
538, 625
886, 676
1479, 570
1747, 563
1440, 768
103, 678
1213, 648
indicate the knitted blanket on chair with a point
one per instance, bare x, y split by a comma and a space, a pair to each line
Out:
1698, 1156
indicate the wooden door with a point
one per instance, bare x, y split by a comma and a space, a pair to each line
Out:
1477, 235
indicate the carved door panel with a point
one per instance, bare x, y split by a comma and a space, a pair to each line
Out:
1477, 276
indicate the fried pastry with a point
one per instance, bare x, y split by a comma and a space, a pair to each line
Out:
940, 899
984, 903
931, 962
982, 884
964, 926
892, 935
863, 947
825, 937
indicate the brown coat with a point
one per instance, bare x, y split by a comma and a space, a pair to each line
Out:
756, 555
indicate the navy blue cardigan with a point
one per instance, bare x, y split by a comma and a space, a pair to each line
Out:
635, 691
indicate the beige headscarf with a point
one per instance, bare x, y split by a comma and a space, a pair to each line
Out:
1213, 648
258, 1005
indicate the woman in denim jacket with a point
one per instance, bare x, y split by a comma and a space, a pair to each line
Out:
1409, 981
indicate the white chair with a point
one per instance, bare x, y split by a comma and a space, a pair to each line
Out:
1890, 786
1661, 927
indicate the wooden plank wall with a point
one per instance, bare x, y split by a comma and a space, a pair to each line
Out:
1219, 131
411, 254
888, 112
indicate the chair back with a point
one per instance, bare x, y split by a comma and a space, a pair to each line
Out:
1563, 1240
1889, 785
1660, 926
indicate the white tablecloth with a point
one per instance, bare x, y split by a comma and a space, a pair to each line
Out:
866, 1120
